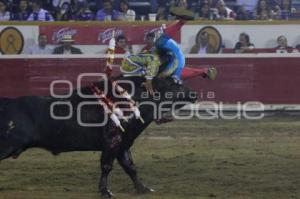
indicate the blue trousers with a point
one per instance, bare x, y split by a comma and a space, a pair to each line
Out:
176, 64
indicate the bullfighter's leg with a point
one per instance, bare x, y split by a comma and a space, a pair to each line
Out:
125, 160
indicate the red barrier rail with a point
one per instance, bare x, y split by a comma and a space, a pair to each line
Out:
271, 80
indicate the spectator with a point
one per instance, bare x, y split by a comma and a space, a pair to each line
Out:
126, 14
213, 11
210, 3
94, 6
202, 45
204, 11
154, 5
11, 6
57, 4
285, 9
283, 45
38, 13
242, 14
298, 47
122, 46
182, 4
244, 45
66, 47
84, 13
107, 13
249, 5
171, 3
4, 14
48, 4
223, 11
22, 12
276, 13
41, 48
263, 12
64, 12
150, 42
162, 12
194, 5
286, 6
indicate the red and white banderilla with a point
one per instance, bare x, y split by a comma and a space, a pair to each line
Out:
121, 91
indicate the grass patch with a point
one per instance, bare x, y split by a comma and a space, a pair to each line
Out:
199, 159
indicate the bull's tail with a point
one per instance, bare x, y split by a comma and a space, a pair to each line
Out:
10, 143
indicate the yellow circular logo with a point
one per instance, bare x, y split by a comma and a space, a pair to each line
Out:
11, 41
214, 37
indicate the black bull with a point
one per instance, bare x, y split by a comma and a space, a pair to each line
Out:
25, 122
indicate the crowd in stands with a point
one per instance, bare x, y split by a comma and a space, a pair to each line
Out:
129, 10
202, 46
66, 46
243, 45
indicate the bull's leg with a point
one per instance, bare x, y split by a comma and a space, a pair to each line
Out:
6, 152
113, 140
125, 160
107, 160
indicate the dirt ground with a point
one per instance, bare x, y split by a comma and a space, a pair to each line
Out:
181, 160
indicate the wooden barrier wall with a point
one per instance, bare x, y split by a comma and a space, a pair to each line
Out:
271, 80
